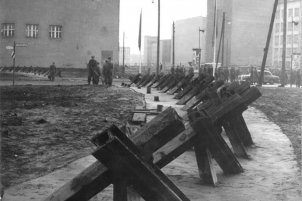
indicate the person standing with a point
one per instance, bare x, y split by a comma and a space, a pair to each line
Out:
107, 71
92, 64
52, 72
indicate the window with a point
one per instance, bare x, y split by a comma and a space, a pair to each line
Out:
289, 39
296, 26
8, 30
289, 26
296, 38
276, 40
277, 27
55, 31
276, 53
290, 12
32, 31
297, 12
277, 15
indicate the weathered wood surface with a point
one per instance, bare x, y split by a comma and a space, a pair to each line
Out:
169, 86
149, 78
217, 146
155, 79
119, 156
166, 83
198, 88
142, 80
234, 136
97, 177
181, 84
160, 81
139, 117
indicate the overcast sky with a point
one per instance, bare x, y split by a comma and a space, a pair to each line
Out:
171, 10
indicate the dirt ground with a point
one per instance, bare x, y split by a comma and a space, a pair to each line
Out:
44, 128
283, 107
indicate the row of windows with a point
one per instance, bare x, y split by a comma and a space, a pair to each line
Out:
278, 52
31, 30
290, 26
289, 38
291, 12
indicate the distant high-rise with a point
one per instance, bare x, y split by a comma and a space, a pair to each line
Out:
67, 32
246, 29
293, 38
187, 39
124, 54
150, 52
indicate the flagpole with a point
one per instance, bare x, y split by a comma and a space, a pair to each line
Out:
214, 49
14, 60
139, 43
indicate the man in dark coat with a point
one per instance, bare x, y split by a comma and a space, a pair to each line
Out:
107, 71
92, 65
52, 72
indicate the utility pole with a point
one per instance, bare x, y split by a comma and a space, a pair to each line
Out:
14, 61
221, 36
158, 38
260, 81
123, 50
173, 45
294, 23
284, 44
199, 49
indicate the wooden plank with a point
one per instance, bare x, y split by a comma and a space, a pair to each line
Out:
250, 95
190, 104
183, 92
117, 155
139, 117
205, 165
204, 83
120, 189
217, 146
162, 79
97, 177
234, 136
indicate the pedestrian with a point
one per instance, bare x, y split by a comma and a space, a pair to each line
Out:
92, 65
107, 72
52, 72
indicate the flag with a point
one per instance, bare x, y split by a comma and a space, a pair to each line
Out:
13, 54
140, 32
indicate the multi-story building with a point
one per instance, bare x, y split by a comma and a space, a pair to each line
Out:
124, 54
150, 52
293, 35
246, 29
187, 38
165, 53
67, 32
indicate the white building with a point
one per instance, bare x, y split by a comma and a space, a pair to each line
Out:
293, 38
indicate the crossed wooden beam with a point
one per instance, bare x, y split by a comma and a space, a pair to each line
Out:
135, 162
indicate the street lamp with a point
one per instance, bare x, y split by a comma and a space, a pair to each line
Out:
158, 38
199, 30
294, 23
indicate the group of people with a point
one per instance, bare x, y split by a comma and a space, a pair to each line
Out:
94, 72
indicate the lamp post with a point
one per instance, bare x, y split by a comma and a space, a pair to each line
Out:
158, 37
199, 30
294, 23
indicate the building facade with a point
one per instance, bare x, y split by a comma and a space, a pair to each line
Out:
126, 56
150, 53
293, 35
187, 38
246, 29
67, 32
